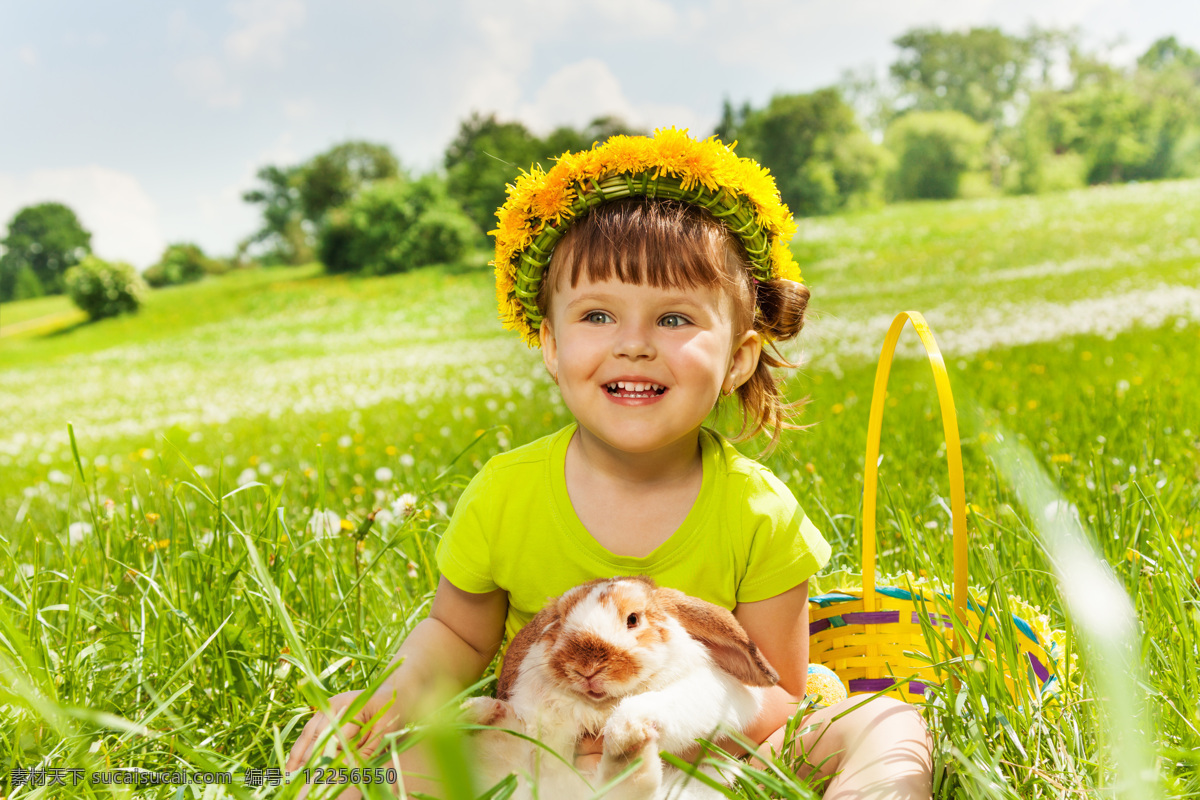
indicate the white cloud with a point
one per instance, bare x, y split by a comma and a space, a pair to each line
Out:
111, 204
259, 36
580, 92
28, 55
263, 29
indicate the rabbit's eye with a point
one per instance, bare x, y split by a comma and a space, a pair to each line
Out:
631, 621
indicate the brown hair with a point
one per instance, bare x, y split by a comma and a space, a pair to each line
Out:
671, 244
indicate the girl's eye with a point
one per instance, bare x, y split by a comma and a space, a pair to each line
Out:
631, 621
673, 321
597, 317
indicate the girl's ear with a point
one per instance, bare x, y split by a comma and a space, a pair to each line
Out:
744, 360
549, 349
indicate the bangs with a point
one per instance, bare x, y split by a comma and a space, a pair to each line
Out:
661, 243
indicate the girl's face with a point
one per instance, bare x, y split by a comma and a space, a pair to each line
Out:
641, 367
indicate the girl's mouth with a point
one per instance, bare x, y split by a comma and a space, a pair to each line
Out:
634, 389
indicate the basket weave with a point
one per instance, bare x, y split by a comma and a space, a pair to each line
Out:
888, 639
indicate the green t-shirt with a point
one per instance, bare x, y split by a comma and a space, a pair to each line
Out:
745, 538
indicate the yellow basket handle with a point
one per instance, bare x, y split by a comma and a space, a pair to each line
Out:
958, 500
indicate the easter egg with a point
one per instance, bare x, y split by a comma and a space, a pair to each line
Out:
824, 685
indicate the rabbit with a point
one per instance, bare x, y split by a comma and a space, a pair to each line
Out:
650, 668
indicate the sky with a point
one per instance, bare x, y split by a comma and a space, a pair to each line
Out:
150, 118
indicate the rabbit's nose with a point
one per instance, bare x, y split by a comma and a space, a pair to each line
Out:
590, 671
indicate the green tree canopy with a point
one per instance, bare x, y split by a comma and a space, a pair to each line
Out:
296, 199
977, 72
394, 226
821, 159
46, 240
283, 232
933, 149
330, 179
1126, 124
105, 289
486, 155
181, 262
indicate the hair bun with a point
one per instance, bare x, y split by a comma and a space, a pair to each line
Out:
782, 304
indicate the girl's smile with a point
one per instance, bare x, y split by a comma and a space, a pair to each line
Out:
639, 366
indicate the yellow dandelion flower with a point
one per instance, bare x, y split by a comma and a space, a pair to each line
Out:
542, 203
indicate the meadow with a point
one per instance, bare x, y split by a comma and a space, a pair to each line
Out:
184, 578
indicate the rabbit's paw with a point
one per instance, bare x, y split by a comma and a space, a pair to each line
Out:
627, 736
487, 711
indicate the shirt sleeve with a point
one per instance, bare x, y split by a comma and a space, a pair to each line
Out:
464, 554
785, 549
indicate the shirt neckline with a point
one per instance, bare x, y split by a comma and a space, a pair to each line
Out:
676, 543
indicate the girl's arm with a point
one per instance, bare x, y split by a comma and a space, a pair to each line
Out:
778, 626
444, 653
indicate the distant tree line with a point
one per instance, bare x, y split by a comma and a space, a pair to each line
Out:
959, 113
47, 251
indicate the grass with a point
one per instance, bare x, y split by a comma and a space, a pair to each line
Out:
162, 597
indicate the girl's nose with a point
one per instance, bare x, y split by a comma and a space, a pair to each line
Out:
634, 341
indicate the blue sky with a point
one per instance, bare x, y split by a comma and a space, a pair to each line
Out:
150, 118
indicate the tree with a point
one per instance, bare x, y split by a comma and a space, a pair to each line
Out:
1169, 53
977, 73
105, 289
566, 139
45, 239
394, 226
296, 199
1125, 124
332, 178
283, 233
933, 149
729, 129
182, 262
486, 155
822, 161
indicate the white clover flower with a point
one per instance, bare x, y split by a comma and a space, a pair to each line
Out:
406, 460
58, 476
383, 474
204, 471
78, 531
248, 476
345, 440
265, 468
325, 524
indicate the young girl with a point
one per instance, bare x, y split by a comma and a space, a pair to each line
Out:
651, 272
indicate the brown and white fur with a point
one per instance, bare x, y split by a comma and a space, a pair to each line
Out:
650, 668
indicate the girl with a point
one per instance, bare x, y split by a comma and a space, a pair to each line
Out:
651, 272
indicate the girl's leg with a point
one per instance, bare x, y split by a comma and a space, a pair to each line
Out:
878, 748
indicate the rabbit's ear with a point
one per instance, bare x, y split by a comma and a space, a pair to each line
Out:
525, 638
717, 629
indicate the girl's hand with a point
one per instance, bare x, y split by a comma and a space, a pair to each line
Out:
588, 751
365, 742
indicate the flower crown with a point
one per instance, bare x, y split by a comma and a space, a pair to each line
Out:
541, 206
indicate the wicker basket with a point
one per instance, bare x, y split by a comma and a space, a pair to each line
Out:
891, 639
